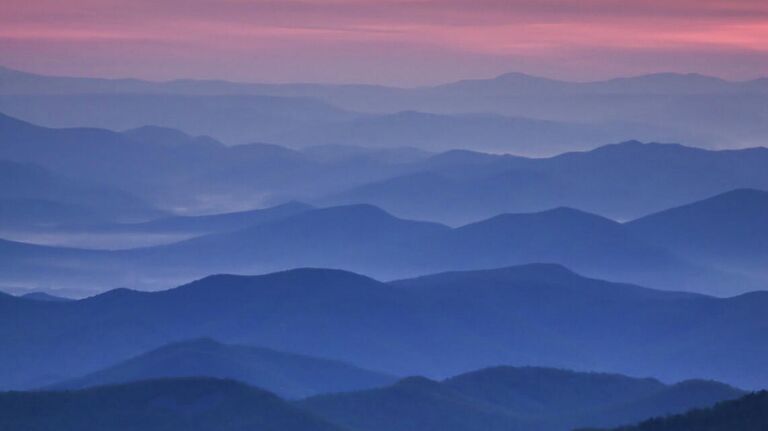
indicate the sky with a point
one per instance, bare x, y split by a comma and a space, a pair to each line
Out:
394, 42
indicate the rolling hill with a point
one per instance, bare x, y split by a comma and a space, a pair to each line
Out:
185, 174
436, 326
173, 404
413, 403
728, 230
366, 239
32, 196
193, 175
507, 398
234, 119
621, 181
287, 375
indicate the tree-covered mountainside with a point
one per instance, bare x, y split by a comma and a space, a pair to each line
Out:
509, 398
193, 404
749, 413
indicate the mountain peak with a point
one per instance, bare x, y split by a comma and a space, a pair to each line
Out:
115, 295
43, 296
290, 277
522, 77
558, 216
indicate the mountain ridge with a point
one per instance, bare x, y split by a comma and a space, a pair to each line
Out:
434, 326
509, 398
288, 375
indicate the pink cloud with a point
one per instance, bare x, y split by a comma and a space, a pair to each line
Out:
389, 41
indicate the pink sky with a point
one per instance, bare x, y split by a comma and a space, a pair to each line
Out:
404, 42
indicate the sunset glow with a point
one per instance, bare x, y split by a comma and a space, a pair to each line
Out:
386, 41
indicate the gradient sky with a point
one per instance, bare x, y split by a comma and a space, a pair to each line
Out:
403, 42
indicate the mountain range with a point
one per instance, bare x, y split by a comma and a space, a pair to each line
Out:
33, 196
436, 326
511, 253
19, 82
728, 230
507, 399
620, 181
366, 239
485, 132
665, 106
182, 173
463, 403
191, 175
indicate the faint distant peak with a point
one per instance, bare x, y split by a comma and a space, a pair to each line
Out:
673, 77
634, 146
552, 216
43, 296
523, 77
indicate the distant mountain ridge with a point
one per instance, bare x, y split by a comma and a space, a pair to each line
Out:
13, 81
366, 239
456, 187
482, 132
661, 106
184, 172
614, 181
32, 195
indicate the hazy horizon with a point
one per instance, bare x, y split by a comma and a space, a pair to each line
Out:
546, 76
385, 42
